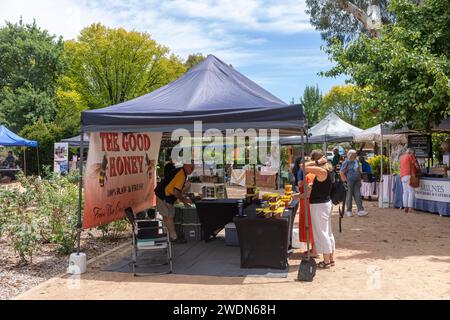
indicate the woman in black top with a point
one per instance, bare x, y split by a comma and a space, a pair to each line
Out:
321, 207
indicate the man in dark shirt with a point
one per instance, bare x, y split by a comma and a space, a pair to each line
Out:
10, 161
336, 157
168, 168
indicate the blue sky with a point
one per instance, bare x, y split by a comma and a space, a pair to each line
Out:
271, 42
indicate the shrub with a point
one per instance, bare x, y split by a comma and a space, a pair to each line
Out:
114, 229
375, 163
41, 211
57, 211
17, 220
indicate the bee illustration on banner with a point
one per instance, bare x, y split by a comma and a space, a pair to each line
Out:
150, 166
99, 170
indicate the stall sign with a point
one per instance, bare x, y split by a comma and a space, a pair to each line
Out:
120, 173
434, 190
421, 145
61, 158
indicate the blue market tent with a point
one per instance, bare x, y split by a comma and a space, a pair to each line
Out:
212, 92
10, 139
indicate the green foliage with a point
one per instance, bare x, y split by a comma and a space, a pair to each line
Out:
69, 105
436, 140
406, 70
26, 105
41, 211
193, 59
312, 104
57, 211
114, 229
346, 101
17, 220
31, 61
110, 66
375, 163
328, 17
46, 134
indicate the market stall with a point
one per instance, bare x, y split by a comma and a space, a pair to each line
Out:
75, 142
212, 92
262, 178
331, 129
10, 139
433, 194
381, 134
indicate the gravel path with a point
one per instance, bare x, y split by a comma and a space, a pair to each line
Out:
16, 277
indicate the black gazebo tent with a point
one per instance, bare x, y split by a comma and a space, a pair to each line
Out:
212, 92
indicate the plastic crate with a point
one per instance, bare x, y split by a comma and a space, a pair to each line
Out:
186, 215
192, 232
231, 236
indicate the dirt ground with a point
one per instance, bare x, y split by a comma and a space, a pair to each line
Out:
389, 254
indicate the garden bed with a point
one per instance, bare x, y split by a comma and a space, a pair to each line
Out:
17, 277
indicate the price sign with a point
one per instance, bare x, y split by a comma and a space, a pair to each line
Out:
421, 144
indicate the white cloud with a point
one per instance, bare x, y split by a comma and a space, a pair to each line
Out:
183, 25
60, 17
237, 31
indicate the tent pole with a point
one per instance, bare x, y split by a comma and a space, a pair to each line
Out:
80, 192
381, 196
305, 192
38, 164
24, 161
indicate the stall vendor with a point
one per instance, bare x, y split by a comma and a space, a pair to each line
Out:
168, 191
10, 161
336, 158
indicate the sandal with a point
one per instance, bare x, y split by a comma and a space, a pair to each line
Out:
332, 263
323, 265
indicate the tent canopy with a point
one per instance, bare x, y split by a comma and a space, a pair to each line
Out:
330, 129
76, 141
444, 126
8, 138
212, 92
374, 134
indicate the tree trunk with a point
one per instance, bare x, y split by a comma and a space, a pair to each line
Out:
371, 21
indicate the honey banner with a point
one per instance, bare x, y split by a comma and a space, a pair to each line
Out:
120, 173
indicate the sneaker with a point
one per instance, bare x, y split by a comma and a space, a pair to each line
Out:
362, 213
349, 214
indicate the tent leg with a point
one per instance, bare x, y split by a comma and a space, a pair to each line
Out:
25, 162
80, 192
38, 164
381, 195
305, 193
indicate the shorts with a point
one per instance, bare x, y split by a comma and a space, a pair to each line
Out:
164, 208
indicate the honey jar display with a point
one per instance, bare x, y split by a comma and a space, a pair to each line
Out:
251, 190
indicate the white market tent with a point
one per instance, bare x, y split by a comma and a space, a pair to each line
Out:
378, 133
381, 133
330, 129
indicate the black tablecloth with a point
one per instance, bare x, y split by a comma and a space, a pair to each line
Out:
264, 242
215, 214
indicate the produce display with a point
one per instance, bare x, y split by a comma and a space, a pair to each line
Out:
274, 204
252, 194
